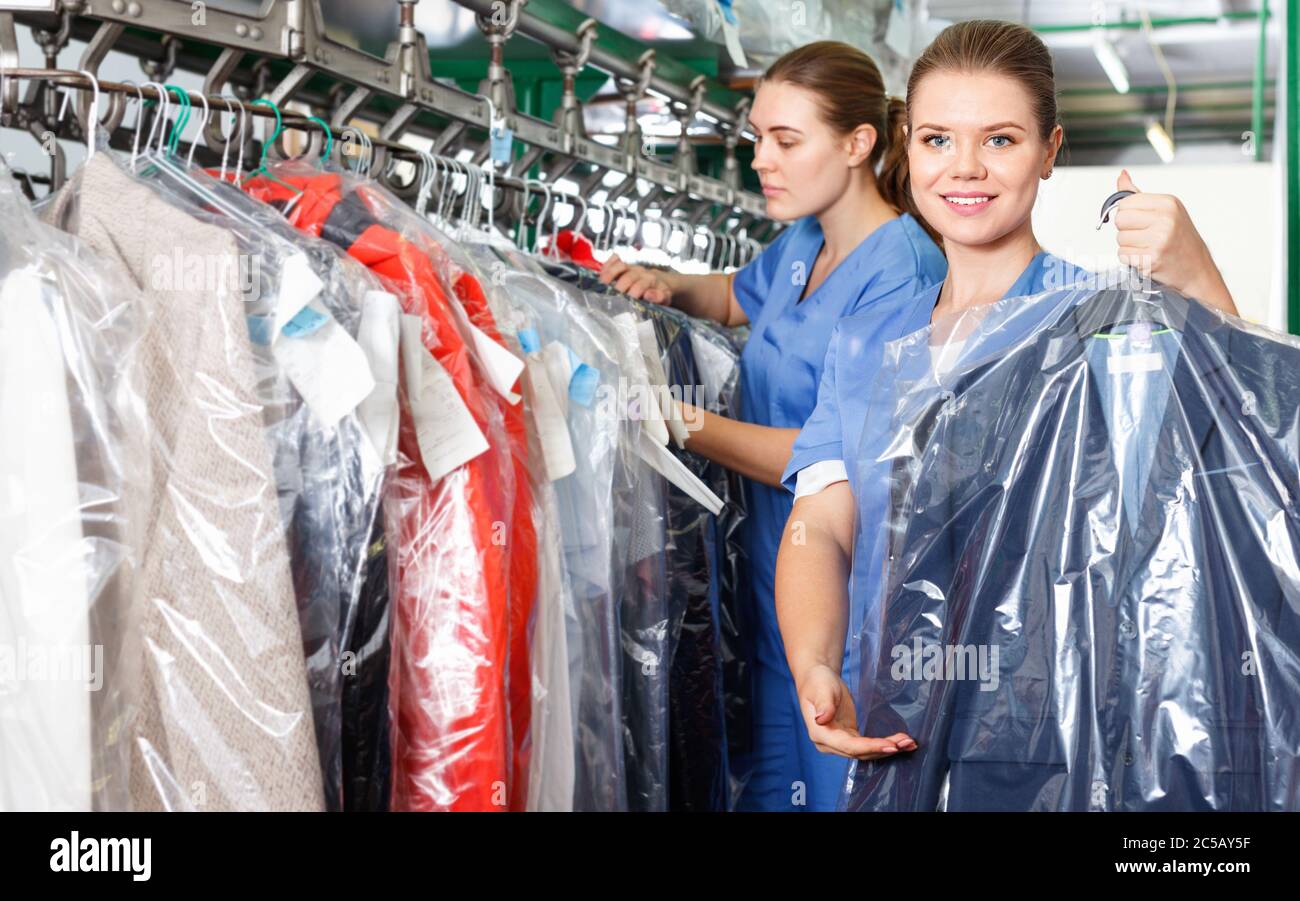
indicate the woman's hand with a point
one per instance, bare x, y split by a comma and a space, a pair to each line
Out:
832, 720
1157, 238
636, 281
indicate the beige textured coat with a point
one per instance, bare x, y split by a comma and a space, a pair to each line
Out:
224, 718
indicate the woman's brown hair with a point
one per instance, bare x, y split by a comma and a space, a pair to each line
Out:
981, 45
851, 92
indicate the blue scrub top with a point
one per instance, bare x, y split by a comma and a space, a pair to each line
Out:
835, 429
782, 363
781, 369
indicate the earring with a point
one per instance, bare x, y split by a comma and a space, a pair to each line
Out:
1049, 174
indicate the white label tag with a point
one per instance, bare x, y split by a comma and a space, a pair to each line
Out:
379, 336
1121, 363
642, 404
447, 433
552, 430
501, 368
654, 366
328, 368
559, 370
898, 37
413, 352
299, 286
731, 37
661, 459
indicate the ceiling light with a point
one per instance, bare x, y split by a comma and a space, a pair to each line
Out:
1110, 61
1161, 141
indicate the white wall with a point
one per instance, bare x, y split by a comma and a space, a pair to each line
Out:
1235, 206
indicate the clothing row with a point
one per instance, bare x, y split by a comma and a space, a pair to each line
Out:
1077, 585
335, 508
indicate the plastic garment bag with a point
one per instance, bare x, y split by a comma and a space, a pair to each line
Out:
450, 512
698, 727
1088, 581
717, 361
305, 306
640, 507
224, 720
551, 759
577, 356
72, 453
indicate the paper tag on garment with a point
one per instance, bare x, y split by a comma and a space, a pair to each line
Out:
1140, 334
502, 140
328, 368
413, 351
555, 356
497, 364
380, 336
731, 35
299, 286
661, 459
645, 331
898, 37
641, 401
1121, 363
446, 431
548, 419
501, 368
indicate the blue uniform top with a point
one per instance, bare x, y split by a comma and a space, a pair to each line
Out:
781, 366
835, 429
781, 369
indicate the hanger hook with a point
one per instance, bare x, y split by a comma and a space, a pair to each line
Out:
207, 114
279, 127
139, 120
329, 140
164, 101
182, 118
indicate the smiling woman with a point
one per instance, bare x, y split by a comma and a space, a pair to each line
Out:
982, 134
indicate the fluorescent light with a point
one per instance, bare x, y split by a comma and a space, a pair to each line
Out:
1110, 62
1161, 141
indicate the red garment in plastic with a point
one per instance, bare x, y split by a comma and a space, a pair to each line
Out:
454, 745
523, 556
577, 248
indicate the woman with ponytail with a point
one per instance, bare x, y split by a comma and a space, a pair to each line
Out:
855, 245
983, 133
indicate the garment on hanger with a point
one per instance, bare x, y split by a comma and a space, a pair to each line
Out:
320, 329
72, 451
224, 720
577, 356
451, 511
1134, 644
551, 756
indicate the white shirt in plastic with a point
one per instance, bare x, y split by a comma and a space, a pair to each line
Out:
45, 718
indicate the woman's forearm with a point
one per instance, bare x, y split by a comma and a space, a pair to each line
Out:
1207, 286
755, 451
812, 577
702, 296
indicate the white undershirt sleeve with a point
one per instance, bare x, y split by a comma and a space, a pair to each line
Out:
818, 476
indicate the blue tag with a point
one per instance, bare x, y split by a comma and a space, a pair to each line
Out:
502, 144
582, 384
727, 11
529, 341
305, 323
259, 329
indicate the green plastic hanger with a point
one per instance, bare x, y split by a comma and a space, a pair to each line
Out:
261, 163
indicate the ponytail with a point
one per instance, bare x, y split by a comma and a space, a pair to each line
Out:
893, 180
